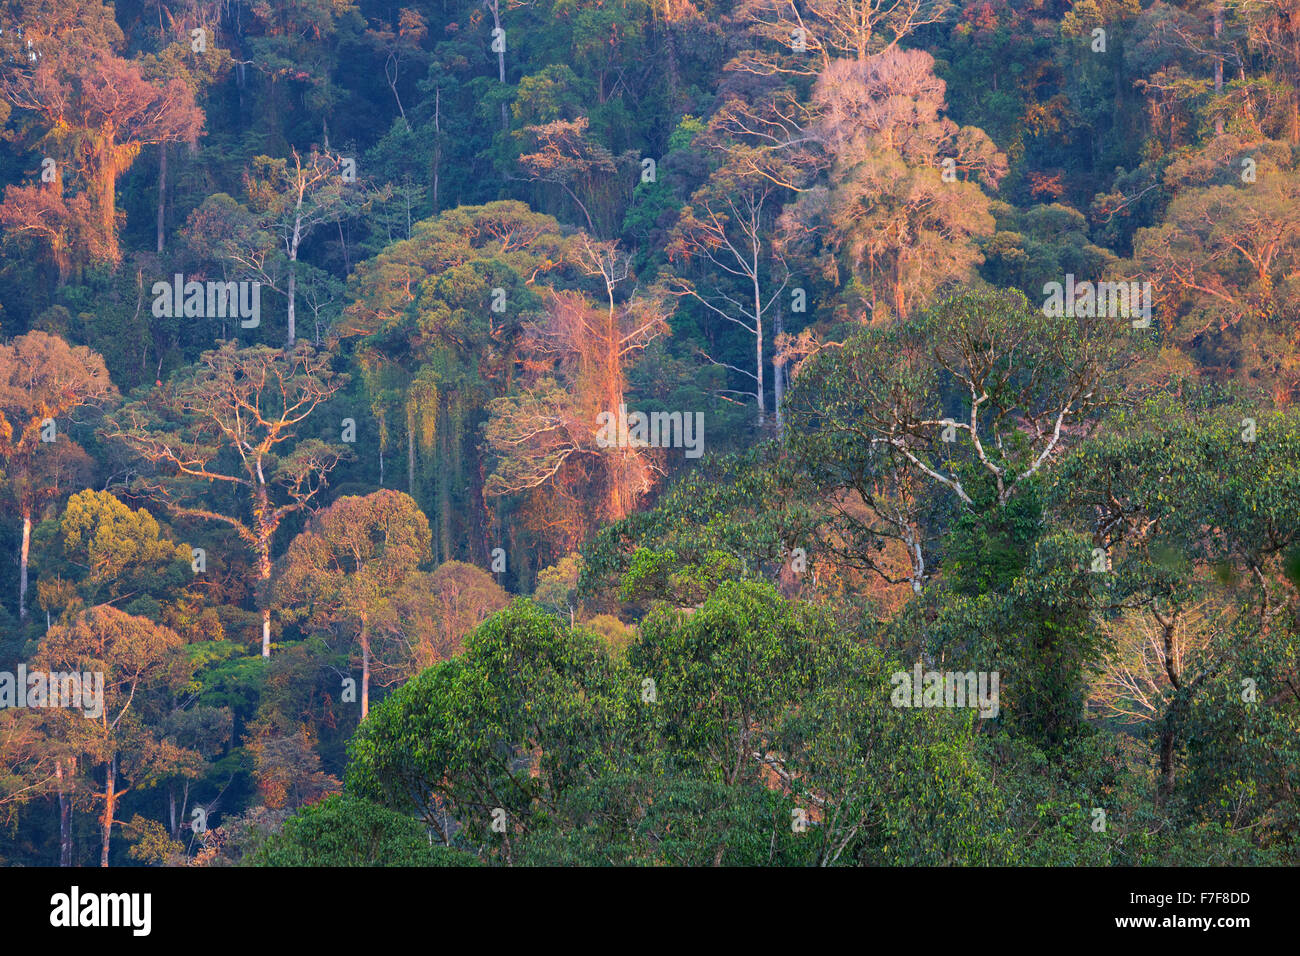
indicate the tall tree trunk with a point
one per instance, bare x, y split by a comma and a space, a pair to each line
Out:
65, 812
185, 804
916, 558
343, 241
110, 806
264, 535
365, 670
24, 550
495, 7
105, 201
758, 342
614, 399
392, 82
291, 288
618, 477
1166, 781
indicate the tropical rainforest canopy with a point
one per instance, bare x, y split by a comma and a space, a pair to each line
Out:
697, 432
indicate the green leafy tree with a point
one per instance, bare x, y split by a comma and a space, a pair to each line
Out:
1147, 491
102, 552
346, 831
485, 744
972, 400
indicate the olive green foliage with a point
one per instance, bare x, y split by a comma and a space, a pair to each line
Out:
346, 831
747, 732
733, 516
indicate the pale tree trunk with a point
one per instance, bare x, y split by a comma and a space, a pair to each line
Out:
293, 281
916, 558
758, 340
495, 7
264, 571
110, 806
392, 82
365, 672
613, 394
23, 551
293, 278
343, 240
264, 534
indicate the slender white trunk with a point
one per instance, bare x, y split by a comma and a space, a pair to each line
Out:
293, 280
365, 672
24, 551
501, 60
758, 340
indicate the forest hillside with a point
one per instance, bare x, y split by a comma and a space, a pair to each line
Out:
665, 432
